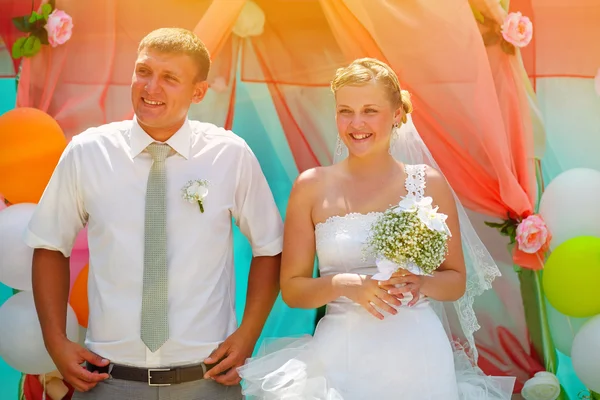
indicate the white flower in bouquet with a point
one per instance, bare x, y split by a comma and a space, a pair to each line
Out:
412, 235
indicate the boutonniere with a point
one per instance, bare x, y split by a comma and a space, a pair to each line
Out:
195, 191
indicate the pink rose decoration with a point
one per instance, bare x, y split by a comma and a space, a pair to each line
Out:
59, 27
517, 29
533, 235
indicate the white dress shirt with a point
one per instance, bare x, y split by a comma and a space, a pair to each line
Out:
101, 180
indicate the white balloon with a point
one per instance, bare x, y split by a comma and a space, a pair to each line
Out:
585, 354
21, 342
563, 328
569, 205
15, 262
82, 335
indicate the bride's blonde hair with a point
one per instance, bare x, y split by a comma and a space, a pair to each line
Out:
365, 70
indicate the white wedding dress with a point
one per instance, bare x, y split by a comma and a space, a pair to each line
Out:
355, 356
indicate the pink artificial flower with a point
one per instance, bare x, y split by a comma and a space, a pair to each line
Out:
517, 29
533, 235
59, 27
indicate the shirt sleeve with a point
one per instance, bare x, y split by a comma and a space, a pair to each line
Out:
255, 211
60, 214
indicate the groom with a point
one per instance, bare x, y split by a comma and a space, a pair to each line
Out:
158, 194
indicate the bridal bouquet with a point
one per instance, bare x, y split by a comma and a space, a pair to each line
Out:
411, 236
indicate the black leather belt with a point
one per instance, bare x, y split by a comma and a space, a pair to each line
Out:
154, 376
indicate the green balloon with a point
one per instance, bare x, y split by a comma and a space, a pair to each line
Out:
571, 277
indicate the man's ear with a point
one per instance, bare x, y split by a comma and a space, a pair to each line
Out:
199, 91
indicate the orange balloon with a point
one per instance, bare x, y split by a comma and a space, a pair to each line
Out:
79, 297
32, 143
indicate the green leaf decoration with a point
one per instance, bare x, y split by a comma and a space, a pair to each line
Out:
43, 35
494, 224
35, 17
478, 15
22, 24
507, 48
21, 393
512, 231
17, 49
507, 228
32, 46
490, 38
46, 11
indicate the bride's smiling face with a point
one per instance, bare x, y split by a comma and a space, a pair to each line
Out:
365, 116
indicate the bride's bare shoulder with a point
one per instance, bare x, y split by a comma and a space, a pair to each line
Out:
437, 186
314, 178
311, 184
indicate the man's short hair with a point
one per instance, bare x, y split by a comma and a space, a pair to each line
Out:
179, 40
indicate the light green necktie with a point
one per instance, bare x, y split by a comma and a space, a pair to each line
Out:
155, 327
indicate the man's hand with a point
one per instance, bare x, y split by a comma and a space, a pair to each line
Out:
230, 355
68, 357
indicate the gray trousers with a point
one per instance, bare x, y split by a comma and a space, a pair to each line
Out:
204, 389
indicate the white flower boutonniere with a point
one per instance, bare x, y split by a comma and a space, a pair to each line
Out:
195, 191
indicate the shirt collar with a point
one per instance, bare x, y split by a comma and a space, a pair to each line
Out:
180, 141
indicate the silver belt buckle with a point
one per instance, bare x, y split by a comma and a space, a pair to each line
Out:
150, 370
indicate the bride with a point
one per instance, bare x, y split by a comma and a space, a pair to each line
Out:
410, 337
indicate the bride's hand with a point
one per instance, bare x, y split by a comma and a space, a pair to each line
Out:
368, 293
403, 282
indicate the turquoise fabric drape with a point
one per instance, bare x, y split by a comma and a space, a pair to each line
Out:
256, 121
9, 378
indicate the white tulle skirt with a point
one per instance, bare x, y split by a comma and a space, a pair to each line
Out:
354, 356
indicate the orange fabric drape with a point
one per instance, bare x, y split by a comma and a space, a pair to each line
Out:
85, 82
565, 39
296, 53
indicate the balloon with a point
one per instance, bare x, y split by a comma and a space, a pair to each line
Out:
563, 328
80, 256
15, 262
79, 297
32, 142
21, 342
571, 277
77, 261
81, 241
586, 354
55, 388
568, 205
82, 335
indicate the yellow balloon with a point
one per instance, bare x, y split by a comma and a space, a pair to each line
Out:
571, 277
